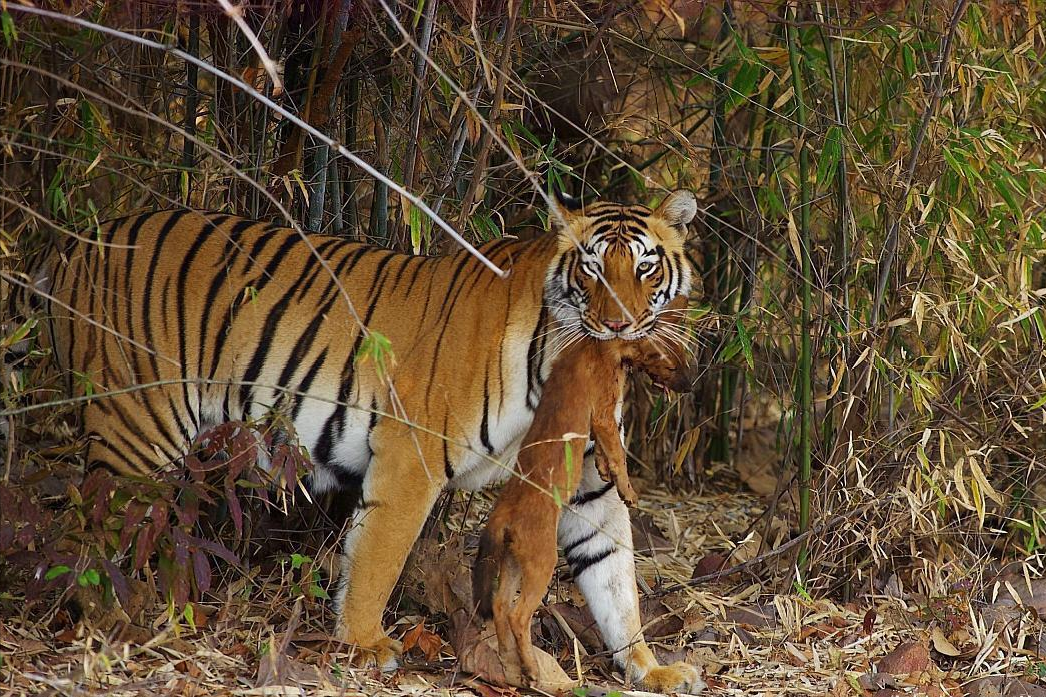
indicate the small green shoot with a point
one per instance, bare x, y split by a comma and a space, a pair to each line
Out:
376, 347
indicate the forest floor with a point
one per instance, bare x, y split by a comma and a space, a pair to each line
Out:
252, 637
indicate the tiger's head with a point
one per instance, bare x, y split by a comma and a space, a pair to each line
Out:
619, 266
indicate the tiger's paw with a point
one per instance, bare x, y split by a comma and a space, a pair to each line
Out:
383, 654
677, 677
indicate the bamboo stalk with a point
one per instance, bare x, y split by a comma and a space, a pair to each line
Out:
719, 262
379, 210
319, 167
457, 145
805, 357
260, 126
421, 67
833, 431
192, 105
929, 113
337, 215
495, 110
351, 129
764, 155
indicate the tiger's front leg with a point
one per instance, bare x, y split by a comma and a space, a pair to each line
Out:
596, 535
402, 482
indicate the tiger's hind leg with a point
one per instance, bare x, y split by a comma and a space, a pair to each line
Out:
402, 482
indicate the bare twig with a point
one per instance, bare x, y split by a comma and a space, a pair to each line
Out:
236, 14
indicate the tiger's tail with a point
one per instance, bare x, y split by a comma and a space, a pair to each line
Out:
485, 571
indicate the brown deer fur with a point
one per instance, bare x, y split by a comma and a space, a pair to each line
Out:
518, 546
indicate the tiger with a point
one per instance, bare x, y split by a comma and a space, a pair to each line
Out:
215, 318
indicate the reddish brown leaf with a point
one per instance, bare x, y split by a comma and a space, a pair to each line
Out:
906, 659
869, 621
485, 690
709, 564
202, 571
119, 582
427, 642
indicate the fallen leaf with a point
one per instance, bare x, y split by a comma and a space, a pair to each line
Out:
878, 681
941, 644
1002, 686
427, 642
759, 616
709, 564
869, 621
906, 659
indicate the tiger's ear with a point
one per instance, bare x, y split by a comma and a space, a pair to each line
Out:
678, 209
565, 207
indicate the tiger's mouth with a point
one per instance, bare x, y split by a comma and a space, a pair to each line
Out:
605, 335
634, 330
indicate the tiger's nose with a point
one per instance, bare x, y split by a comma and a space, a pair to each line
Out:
615, 325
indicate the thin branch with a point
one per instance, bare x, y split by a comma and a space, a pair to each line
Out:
236, 14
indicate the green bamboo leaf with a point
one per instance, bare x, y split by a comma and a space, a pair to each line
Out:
20, 333
190, 615
376, 347
949, 157
568, 459
731, 349
528, 134
830, 155
415, 228
744, 83
8, 25
746, 343
509, 132
908, 54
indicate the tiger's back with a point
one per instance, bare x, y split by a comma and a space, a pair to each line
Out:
184, 320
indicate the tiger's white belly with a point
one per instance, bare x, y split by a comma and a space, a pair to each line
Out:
508, 417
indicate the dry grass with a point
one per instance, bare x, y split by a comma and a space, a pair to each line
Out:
749, 633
